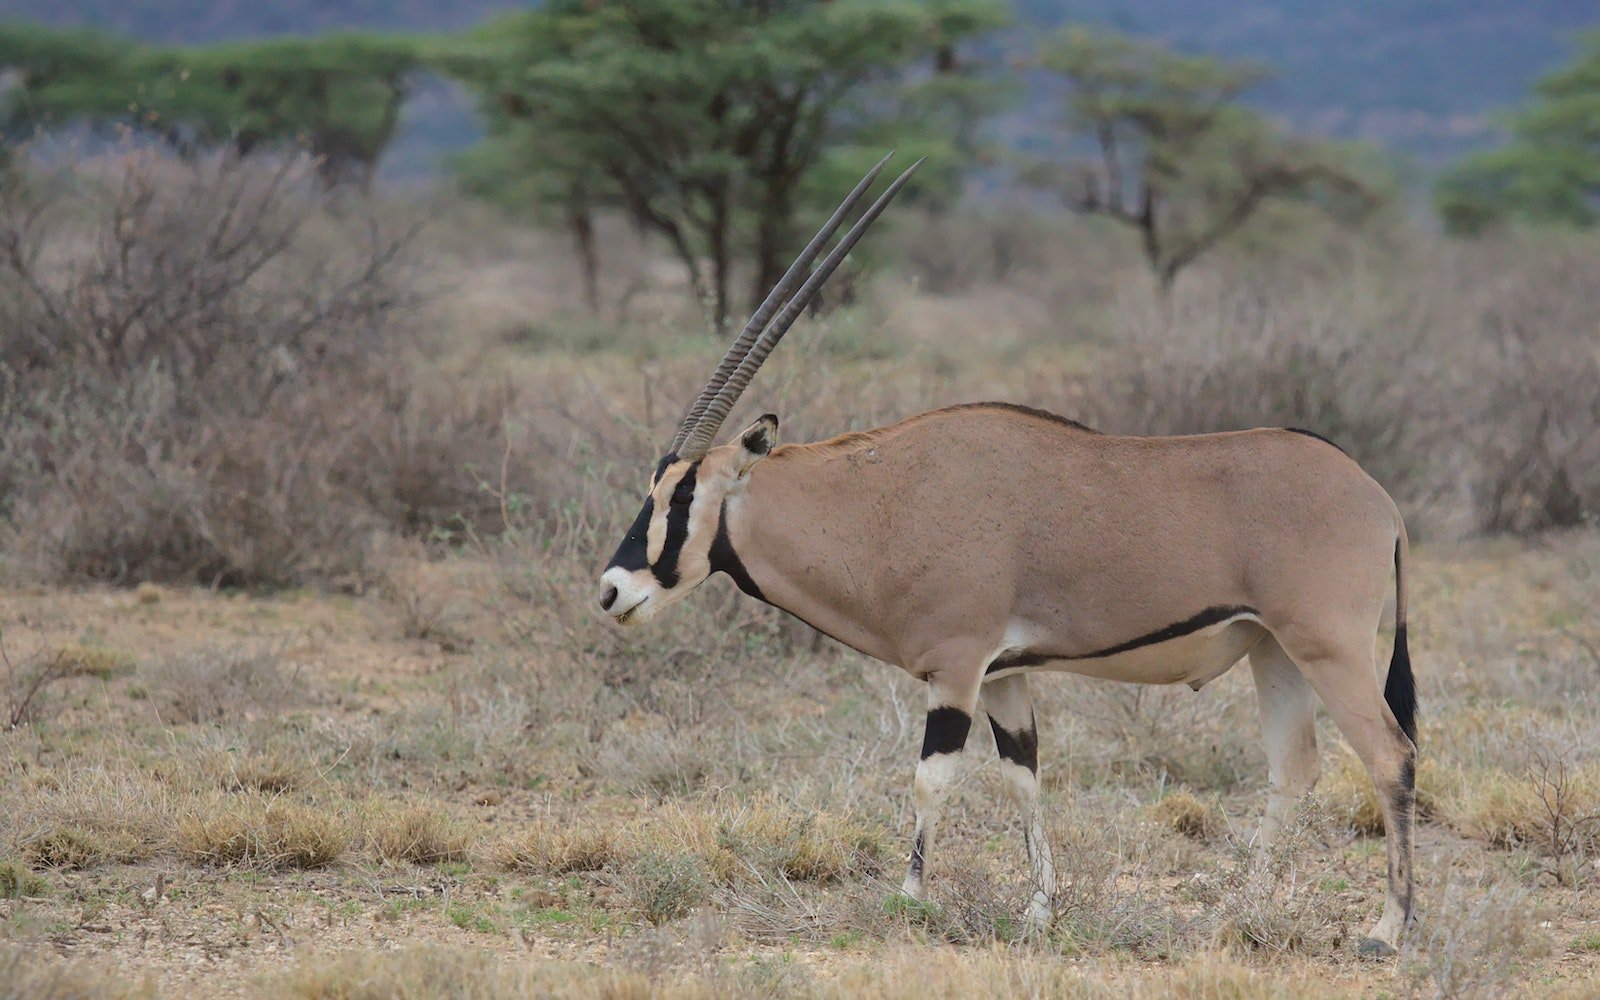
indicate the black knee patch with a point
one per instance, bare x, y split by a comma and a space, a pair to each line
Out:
946, 731
916, 857
1020, 747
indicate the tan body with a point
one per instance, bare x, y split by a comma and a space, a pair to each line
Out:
1059, 540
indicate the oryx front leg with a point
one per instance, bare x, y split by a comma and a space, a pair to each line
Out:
952, 698
1010, 709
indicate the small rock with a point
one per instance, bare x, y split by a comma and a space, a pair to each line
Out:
147, 593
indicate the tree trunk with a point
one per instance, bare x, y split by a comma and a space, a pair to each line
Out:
770, 232
580, 224
717, 244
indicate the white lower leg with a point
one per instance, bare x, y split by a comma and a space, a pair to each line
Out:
1023, 785
935, 775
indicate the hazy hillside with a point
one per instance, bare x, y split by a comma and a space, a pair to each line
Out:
1419, 77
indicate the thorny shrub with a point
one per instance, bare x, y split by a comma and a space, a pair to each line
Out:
203, 379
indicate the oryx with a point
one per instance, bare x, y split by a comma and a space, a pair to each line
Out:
977, 544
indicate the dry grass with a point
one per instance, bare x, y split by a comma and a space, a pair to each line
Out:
551, 847
26, 974
1474, 939
209, 685
1181, 812
903, 974
417, 833
262, 831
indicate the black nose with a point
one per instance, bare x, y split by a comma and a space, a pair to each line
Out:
608, 598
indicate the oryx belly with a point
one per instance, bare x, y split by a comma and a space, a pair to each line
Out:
1193, 652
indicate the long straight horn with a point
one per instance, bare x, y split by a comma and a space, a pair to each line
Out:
769, 305
699, 438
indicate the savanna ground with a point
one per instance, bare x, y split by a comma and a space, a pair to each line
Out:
302, 694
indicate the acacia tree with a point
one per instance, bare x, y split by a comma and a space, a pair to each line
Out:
1158, 142
339, 96
39, 59
1549, 172
706, 119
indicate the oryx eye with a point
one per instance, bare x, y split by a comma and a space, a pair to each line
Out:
684, 494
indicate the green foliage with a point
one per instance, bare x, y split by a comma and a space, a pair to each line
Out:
716, 123
1550, 171
1175, 157
337, 95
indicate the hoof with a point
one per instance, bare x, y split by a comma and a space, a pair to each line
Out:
1375, 949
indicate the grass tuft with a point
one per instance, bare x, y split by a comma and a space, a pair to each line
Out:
265, 832
420, 834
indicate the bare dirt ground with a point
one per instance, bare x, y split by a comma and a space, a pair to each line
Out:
330, 795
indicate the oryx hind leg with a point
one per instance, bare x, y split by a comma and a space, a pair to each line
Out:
1342, 674
1289, 730
1009, 706
952, 699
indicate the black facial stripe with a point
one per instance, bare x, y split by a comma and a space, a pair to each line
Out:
1208, 617
665, 568
661, 467
634, 552
946, 731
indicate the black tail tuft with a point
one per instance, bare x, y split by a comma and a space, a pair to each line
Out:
1400, 690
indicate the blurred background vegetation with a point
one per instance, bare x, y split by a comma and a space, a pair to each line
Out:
278, 282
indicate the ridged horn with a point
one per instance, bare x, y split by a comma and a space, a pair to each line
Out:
775, 298
697, 441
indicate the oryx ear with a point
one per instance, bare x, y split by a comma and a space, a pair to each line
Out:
756, 440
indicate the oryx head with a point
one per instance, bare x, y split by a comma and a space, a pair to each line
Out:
668, 550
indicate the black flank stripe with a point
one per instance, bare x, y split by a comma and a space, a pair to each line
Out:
1208, 617
946, 731
666, 567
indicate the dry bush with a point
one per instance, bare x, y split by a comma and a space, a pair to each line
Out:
1181, 812
1206, 740
262, 831
1472, 938
17, 882
1103, 902
768, 834
84, 816
207, 379
34, 974
74, 846
1552, 807
1464, 379
1264, 901
24, 684
557, 847
426, 606
423, 835
655, 757
663, 885
271, 771
224, 683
